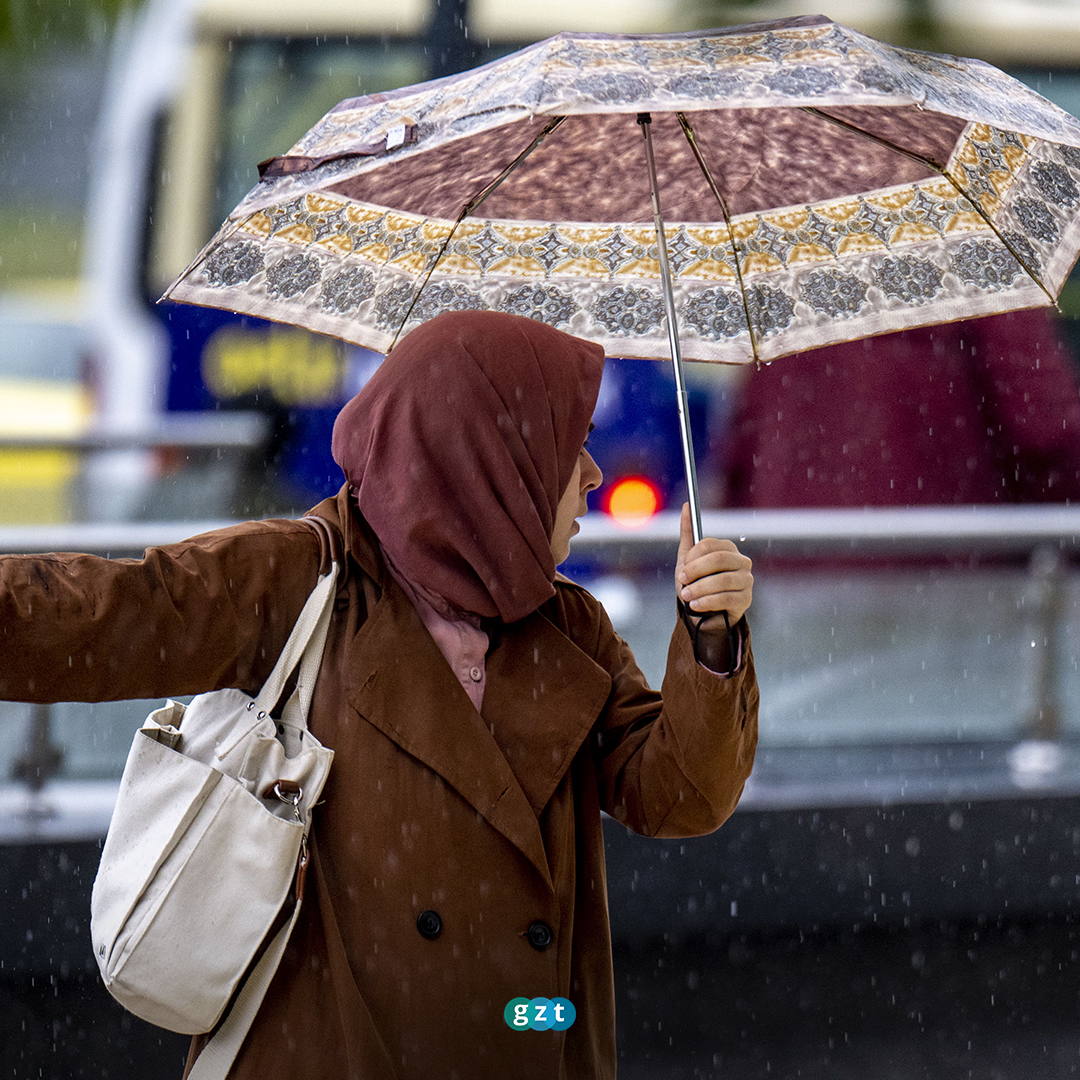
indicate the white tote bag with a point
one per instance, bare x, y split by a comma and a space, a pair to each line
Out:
207, 839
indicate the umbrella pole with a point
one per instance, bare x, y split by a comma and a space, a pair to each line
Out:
645, 120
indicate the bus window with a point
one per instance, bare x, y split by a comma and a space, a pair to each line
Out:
275, 88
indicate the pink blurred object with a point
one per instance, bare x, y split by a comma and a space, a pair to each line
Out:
977, 412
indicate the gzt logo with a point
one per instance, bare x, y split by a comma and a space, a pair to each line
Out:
540, 1014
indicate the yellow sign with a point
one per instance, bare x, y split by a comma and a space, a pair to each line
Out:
294, 367
38, 486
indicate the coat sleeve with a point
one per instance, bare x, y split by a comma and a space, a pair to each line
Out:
674, 763
210, 612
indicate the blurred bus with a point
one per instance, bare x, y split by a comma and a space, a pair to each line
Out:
201, 91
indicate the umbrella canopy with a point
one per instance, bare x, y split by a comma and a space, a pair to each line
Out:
817, 186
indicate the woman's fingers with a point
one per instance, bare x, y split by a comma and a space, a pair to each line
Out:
711, 594
715, 576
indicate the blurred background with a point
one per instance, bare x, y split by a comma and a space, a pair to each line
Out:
896, 896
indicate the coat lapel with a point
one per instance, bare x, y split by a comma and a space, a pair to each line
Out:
542, 698
404, 687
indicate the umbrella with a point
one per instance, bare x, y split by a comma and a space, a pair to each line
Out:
731, 195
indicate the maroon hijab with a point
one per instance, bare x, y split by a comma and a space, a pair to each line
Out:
459, 449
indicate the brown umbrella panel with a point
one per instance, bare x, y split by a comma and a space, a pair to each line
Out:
788, 226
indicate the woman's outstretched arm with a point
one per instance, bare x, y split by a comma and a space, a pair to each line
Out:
209, 612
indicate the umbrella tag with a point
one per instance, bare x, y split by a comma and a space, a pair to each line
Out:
291, 164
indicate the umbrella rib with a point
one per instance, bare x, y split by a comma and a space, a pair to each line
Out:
937, 167
922, 159
688, 131
473, 203
469, 207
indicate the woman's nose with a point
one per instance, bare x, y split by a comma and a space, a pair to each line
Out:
591, 476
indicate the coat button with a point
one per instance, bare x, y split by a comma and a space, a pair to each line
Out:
540, 935
429, 924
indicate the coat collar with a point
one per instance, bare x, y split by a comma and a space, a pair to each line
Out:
405, 688
360, 543
542, 697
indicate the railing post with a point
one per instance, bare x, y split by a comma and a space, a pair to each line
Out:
1044, 722
42, 758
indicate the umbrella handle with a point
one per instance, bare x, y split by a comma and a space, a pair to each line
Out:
645, 120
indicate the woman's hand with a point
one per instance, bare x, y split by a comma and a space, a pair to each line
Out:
712, 575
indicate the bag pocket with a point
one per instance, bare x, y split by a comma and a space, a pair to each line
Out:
221, 865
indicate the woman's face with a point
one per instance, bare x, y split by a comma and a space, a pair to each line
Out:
586, 477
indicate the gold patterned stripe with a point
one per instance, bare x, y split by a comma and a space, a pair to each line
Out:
790, 238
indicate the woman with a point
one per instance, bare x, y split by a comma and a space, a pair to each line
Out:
481, 708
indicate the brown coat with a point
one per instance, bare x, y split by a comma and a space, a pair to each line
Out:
492, 820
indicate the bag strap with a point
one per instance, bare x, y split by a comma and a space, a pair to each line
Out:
312, 656
218, 1055
310, 663
312, 622
306, 644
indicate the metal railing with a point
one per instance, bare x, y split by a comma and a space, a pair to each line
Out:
1046, 533
868, 532
758, 532
116, 461
786, 532
216, 431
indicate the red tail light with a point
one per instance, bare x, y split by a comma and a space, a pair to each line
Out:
632, 500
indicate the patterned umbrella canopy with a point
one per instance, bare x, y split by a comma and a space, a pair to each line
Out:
817, 186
